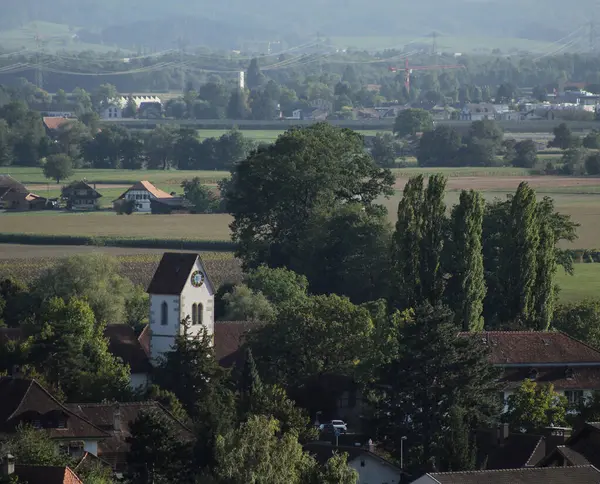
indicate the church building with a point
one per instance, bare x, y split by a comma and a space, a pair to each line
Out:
180, 289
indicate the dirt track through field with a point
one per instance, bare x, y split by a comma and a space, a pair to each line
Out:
509, 182
99, 186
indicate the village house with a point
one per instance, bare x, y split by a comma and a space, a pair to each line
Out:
142, 193
114, 419
81, 196
581, 448
36, 474
571, 366
25, 401
482, 111
371, 468
533, 475
131, 350
15, 196
53, 123
115, 107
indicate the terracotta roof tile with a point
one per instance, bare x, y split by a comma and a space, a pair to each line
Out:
535, 347
228, 338
46, 475
55, 122
114, 449
123, 343
530, 475
149, 187
25, 399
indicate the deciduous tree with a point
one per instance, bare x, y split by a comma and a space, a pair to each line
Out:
409, 122
536, 406
58, 167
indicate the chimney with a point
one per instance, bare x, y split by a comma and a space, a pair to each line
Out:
8, 465
117, 418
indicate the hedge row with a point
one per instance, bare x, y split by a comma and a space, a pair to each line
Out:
140, 243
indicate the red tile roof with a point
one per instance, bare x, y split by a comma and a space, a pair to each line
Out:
123, 343
148, 187
531, 475
114, 449
54, 122
228, 338
23, 399
535, 347
46, 475
144, 339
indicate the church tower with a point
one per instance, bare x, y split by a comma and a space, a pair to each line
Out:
180, 289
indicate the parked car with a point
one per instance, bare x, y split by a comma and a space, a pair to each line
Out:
333, 425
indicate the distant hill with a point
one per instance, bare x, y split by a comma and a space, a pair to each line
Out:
224, 23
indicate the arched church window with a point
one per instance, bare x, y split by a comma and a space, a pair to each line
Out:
164, 313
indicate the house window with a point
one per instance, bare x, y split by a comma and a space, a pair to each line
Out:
61, 424
197, 310
574, 397
37, 424
164, 313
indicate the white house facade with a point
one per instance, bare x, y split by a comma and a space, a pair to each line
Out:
180, 291
141, 193
374, 470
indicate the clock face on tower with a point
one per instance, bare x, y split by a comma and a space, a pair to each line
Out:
197, 278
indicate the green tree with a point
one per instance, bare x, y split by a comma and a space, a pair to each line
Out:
409, 122
278, 190
254, 77
157, 452
190, 370
467, 289
237, 108
525, 154
6, 153
383, 150
487, 129
232, 147
592, 164
94, 277
346, 252
432, 242
278, 285
536, 406
573, 161
336, 471
159, 148
591, 140
58, 167
29, 446
69, 349
243, 304
459, 452
131, 109
406, 248
580, 320
303, 346
200, 196
436, 373
168, 400
257, 452
440, 147
258, 398
104, 94
505, 93
563, 137
60, 97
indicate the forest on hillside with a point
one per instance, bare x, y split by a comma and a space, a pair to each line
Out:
158, 24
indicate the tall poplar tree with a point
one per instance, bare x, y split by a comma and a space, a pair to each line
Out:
467, 289
521, 262
406, 249
543, 290
433, 213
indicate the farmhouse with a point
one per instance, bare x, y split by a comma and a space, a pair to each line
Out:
33, 474
25, 401
571, 366
52, 123
115, 107
15, 196
114, 419
142, 193
81, 196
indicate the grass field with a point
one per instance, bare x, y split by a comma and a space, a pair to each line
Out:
261, 135
584, 284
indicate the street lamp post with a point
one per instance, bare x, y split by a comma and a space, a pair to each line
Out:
402, 439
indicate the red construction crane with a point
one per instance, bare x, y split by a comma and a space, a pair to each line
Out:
409, 69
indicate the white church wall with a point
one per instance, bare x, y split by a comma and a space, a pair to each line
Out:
198, 295
163, 336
